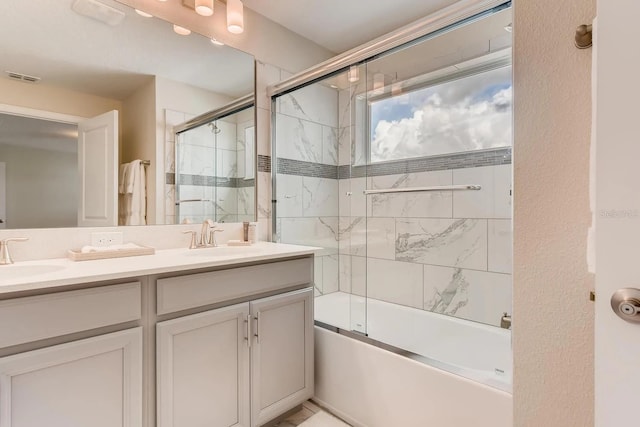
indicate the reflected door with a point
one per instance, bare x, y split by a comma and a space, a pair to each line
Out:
97, 164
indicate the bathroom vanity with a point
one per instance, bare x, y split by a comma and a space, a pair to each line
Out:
218, 336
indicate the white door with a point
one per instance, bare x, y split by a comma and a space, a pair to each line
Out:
3, 195
97, 163
617, 342
281, 354
94, 382
203, 369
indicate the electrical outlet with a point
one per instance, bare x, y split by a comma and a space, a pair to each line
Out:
107, 238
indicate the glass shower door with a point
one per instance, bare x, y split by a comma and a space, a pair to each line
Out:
318, 202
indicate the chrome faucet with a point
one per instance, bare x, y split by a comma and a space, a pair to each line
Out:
204, 233
207, 235
5, 256
505, 321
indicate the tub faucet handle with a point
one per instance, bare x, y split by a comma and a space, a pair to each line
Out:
5, 255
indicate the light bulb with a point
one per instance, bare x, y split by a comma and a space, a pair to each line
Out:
204, 7
145, 14
181, 30
235, 16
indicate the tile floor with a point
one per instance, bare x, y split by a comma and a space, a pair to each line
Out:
311, 415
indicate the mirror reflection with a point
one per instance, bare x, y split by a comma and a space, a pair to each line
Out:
225, 192
81, 97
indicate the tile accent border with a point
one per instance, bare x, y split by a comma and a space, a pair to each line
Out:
301, 168
495, 157
264, 163
474, 159
208, 181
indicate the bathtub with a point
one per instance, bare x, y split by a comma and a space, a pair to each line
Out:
452, 373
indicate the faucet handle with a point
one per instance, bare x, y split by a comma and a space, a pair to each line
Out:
14, 239
5, 256
192, 245
212, 236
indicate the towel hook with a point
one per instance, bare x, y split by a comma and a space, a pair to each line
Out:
584, 36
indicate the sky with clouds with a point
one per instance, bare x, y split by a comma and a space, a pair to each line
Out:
467, 114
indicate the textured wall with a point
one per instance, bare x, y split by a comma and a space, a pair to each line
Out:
553, 318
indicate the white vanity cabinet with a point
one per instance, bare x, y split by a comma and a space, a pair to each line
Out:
69, 382
94, 382
203, 369
281, 354
240, 366
217, 346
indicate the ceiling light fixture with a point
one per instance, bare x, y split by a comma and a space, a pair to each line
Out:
216, 41
235, 16
145, 14
354, 74
204, 7
181, 30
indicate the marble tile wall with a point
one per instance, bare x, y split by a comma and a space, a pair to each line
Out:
307, 177
447, 252
234, 200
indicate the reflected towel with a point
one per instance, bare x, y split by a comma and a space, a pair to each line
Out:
132, 209
122, 177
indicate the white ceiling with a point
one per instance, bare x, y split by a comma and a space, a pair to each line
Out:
47, 39
340, 25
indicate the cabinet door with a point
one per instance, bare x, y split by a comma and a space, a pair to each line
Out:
94, 382
203, 369
281, 354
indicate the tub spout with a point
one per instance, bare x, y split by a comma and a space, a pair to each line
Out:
505, 321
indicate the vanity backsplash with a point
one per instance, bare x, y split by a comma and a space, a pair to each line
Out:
47, 243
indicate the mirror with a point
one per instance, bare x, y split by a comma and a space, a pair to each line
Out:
80, 97
225, 192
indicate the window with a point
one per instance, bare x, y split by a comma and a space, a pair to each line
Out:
466, 114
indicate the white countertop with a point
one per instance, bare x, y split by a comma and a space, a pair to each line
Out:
51, 273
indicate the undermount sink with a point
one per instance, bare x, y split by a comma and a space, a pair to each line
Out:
8, 272
225, 251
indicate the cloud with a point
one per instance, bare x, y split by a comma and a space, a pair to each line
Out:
444, 121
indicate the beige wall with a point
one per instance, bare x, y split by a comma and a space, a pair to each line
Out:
54, 99
553, 317
138, 140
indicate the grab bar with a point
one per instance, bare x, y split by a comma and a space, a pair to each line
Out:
416, 189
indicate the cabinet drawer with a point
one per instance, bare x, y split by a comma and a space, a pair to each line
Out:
35, 318
196, 290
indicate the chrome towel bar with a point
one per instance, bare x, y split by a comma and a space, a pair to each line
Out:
417, 189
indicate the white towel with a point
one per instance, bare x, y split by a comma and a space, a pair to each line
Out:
132, 208
122, 177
